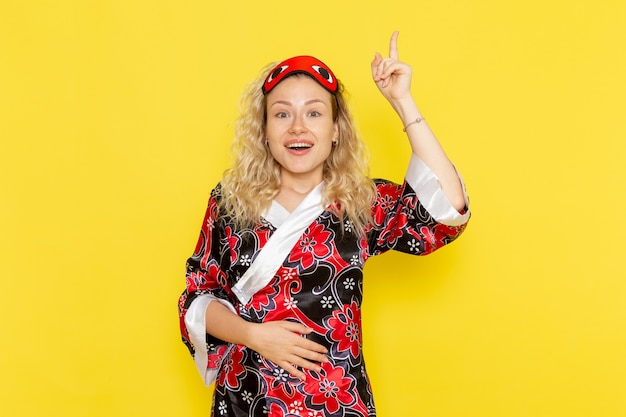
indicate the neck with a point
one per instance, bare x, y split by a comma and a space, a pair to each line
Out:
299, 185
292, 191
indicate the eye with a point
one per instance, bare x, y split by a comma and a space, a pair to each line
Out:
325, 74
281, 115
276, 73
315, 113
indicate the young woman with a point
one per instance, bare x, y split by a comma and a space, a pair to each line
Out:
271, 310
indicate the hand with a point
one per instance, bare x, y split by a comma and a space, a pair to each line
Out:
392, 77
282, 343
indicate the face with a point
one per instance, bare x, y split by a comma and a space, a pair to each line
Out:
300, 129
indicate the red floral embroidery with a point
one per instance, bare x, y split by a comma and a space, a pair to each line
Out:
285, 403
313, 245
195, 281
395, 228
385, 201
264, 299
346, 329
219, 277
438, 236
330, 389
234, 241
215, 358
231, 369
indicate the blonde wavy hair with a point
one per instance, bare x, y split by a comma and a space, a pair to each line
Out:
249, 186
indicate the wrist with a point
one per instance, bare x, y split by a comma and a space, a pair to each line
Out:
407, 110
249, 333
416, 121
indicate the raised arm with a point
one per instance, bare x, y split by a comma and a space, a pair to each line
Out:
393, 79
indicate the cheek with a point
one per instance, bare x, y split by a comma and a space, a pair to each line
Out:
273, 128
269, 132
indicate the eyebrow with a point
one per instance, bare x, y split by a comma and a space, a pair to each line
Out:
288, 103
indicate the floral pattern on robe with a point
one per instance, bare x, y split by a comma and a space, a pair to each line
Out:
320, 284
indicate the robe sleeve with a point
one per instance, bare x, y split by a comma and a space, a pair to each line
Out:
206, 282
415, 217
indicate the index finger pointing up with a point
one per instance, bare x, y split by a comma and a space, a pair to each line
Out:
393, 46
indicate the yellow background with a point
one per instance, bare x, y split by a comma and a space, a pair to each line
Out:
115, 122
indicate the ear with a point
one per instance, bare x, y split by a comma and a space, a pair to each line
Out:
335, 131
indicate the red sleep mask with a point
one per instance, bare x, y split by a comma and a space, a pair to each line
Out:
303, 65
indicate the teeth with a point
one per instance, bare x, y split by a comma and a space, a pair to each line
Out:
299, 145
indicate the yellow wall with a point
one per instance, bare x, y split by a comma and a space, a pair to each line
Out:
115, 119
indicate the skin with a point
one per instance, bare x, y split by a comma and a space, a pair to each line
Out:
279, 341
299, 110
393, 79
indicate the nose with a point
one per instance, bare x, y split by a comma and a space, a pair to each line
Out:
297, 126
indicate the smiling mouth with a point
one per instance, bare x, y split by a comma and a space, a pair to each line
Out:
298, 146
